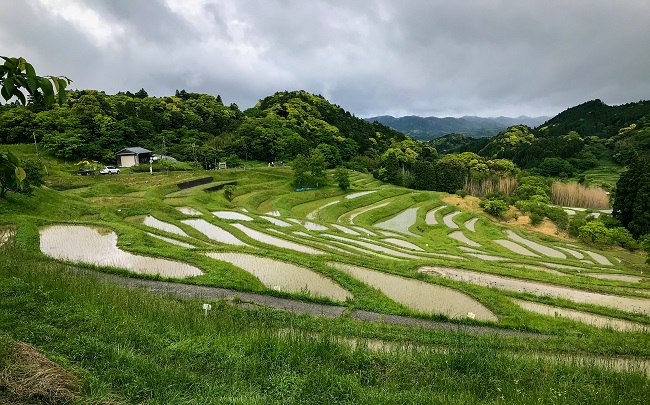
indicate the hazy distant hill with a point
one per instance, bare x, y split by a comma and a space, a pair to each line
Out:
427, 128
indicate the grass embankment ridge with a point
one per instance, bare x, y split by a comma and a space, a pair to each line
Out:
131, 347
112, 338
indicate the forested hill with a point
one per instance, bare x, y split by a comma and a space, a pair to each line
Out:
580, 136
191, 126
427, 128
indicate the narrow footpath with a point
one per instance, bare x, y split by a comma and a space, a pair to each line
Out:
289, 305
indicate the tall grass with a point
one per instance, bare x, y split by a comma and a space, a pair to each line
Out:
130, 347
578, 195
482, 187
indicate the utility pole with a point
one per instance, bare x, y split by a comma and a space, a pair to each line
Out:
38, 154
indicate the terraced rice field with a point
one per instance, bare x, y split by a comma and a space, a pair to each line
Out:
382, 237
82, 244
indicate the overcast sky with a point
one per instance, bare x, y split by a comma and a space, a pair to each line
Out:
371, 57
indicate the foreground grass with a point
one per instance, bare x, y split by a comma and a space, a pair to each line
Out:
130, 347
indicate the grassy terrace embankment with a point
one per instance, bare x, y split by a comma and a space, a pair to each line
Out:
131, 347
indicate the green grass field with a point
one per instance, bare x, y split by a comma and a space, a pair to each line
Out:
128, 346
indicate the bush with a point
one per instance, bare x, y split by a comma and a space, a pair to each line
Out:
536, 218
229, 192
342, 177
462, 193
495, 207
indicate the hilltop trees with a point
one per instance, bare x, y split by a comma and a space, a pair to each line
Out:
17, 76
632, 200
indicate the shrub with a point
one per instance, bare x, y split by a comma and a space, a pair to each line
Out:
536, 218
495, 207
229, 192
461, 193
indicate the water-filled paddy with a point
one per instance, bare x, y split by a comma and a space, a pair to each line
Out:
163, 226
312, 226
237, 216
276, 221
400, 222
7, 235
545, 250
82, 244
418, 295
460, 236
512, 246
449, 220
172, 241
616, 277
277, 242
345, 230
356, 213
374, 247
598, 321
431, 215
403, 243
213, 232
630, 304
470, 224
189, 211
283, 276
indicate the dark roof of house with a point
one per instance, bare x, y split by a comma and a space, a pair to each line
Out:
133, 151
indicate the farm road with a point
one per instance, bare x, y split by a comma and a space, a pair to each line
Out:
293, 306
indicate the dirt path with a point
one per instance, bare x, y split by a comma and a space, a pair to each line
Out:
293, 306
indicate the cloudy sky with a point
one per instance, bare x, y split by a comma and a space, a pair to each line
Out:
371, 57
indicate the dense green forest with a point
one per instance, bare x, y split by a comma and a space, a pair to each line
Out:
190, 126
286, 126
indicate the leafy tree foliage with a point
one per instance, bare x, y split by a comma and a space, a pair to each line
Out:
342, 178
18, 75
632, 198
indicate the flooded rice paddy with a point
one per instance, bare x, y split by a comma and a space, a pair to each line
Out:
315, 214
7, 236
431, 215
403, 243
460, 236
163, 226
359, 194
189, 211
470, 224
545, 250
283, 276
600, 259
276, 221
311, 226
598, 321
539, 268
277, 242
236, 216
572, 252
418, 295
616, 277
400, 222
512, 246
83, 244
372, 246
172, 241
629, 304
345, 230
449, 220
363, 210
364, 231
214, 232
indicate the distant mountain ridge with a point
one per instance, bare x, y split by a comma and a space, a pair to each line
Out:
428, 128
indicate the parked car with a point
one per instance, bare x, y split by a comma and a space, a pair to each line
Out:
110, 170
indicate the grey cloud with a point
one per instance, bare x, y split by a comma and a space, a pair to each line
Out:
372, 57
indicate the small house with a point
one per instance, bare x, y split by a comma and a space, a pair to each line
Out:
128, 157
